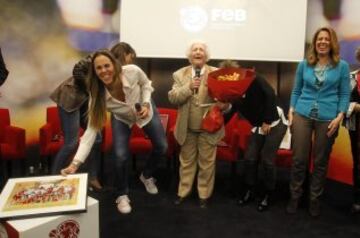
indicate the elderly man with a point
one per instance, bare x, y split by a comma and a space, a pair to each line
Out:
198, 147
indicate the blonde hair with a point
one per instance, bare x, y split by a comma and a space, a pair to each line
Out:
97, 106
312, 55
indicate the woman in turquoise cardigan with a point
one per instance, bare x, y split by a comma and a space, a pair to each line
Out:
319, 99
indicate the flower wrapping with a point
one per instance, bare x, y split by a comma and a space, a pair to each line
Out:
213, 120
228, 84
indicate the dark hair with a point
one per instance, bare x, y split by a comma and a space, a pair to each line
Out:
312, 55
357, 54
121, 50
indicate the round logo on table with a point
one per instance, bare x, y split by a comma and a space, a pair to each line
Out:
66, 229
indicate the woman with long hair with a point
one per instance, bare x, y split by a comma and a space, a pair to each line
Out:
319, 100
118, 90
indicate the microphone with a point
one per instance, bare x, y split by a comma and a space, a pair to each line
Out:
197, 75
138, 107
197, 72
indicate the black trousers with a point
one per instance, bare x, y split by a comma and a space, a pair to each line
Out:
263, 148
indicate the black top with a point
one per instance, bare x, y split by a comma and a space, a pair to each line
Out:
258, 104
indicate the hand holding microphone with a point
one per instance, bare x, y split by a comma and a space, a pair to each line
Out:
195, 84
141, 111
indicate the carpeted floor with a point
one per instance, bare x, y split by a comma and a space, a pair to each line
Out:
156, 216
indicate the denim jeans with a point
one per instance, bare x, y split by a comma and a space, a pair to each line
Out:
121, 136
70, 124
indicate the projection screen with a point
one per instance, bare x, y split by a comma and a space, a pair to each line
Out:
262, 30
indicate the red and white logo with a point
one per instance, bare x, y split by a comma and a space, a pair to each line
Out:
66, 229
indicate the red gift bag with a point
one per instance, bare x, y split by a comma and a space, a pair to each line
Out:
228, 84
213, 120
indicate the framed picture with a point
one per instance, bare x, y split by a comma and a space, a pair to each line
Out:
42, 196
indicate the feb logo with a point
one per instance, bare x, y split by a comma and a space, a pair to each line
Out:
193, 18
66, 229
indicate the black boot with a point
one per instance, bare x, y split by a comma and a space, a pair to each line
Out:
314, 207
246, 197
264, 203
292, 206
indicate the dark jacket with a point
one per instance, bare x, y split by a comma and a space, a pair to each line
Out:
258, 104
71, 94
3, 71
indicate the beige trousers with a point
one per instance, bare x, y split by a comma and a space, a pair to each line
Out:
196, 151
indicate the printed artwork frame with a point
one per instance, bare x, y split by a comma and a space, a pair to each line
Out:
43, 196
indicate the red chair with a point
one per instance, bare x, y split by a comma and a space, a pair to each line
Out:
12, 142
51, 138
234, 143
284, 156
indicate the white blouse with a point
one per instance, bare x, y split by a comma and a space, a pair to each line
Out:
137, 89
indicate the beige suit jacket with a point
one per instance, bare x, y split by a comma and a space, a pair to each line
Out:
180, 95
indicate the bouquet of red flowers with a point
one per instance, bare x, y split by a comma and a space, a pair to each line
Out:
228, 84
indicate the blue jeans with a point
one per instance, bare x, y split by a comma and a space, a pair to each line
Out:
70, 124
121, 136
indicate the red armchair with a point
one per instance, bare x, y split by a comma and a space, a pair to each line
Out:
51, 138
12, 142
234, 143
284, 156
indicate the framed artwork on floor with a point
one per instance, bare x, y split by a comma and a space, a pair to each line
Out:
43, 196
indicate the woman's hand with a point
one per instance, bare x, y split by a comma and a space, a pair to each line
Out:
144, 112
265, 128
71, 169
290, 116
334, 125
223, 106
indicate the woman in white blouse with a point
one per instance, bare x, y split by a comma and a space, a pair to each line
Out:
118, 89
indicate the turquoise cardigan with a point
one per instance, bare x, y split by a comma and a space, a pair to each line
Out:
332, 97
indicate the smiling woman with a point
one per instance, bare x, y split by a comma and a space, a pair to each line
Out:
319, 100
118, 89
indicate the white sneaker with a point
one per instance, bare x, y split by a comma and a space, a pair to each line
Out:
123, 204
149, 184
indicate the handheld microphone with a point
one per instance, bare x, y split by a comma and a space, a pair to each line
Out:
197, 72
197, 75
138, 107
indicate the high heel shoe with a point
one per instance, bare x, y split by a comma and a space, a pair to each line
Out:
94, 185
247, 197
263, 204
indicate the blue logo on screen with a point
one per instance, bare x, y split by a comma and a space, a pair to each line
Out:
193, 19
